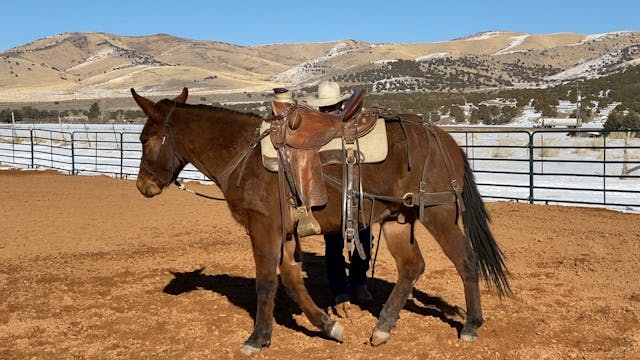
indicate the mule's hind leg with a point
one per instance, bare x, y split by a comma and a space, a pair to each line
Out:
440, 222
291, 275
410, 265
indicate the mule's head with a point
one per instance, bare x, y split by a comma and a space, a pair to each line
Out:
160, 164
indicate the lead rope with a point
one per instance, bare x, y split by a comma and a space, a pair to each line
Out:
184, 188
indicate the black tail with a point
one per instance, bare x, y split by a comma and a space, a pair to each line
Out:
476, 226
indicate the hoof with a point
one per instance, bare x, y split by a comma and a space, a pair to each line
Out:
379, 337
468, 337
249, 350
337, 330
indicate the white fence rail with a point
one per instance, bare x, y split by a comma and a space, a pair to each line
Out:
533, 166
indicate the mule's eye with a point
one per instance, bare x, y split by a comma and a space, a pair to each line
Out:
144, 141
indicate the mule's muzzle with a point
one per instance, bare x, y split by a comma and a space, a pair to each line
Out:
148, 187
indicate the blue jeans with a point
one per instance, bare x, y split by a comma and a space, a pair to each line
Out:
339, 284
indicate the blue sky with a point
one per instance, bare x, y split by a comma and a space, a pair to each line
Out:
249, 22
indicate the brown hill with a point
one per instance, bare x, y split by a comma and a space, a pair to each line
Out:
95, 65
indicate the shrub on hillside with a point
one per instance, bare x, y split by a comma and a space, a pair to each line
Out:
619, 120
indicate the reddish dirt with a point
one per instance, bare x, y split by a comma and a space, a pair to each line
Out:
91, 269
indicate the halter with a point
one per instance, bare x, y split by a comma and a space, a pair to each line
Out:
148, 168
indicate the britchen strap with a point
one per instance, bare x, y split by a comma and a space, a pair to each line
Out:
446, 159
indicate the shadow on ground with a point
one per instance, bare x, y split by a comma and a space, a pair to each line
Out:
241, 292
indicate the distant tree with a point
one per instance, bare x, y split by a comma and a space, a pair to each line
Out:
115, 115
475, 116
457, 113
133, 114
29, 112
507, 113
94, 111
618, 120
484, 114
5, 115
549, 110
434, 116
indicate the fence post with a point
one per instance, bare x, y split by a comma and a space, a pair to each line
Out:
13, 147
73, 157
33, 162
604, 170
473, 151
121, 156
531, 154
51, 149
95, 166
466, 143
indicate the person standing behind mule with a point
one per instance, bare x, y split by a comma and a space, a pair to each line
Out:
351, 288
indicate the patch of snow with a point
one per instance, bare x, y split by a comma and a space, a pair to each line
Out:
437, 55
384, 61
528, 118
306, 70
597, 124
93, 59
590, 68
483, 35
516, 51
603, 36
517, 40
633, 62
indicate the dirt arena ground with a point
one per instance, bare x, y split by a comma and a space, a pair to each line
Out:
91, 269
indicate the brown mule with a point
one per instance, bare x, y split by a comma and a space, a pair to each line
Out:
210, 138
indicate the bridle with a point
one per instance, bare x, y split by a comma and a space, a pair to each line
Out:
154, 173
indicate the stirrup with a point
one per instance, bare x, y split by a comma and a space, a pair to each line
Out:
307, 223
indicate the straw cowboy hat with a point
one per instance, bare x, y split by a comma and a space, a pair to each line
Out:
328, 94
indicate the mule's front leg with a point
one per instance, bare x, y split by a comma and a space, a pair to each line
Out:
291, 274
266, 253
410, 265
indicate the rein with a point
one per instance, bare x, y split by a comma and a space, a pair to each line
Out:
242, 157
233, 164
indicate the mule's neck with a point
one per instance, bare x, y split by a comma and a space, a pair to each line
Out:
210, 137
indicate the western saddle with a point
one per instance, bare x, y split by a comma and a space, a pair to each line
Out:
297, 133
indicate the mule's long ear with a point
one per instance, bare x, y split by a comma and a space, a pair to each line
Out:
145, 104
182, 98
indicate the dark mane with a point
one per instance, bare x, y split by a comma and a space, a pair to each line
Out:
209, 107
